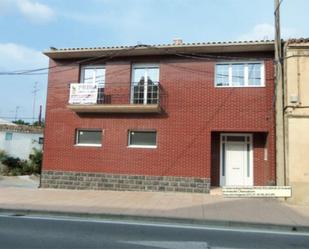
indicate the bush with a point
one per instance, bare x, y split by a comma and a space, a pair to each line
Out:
36, 161
3, 155
3, 168
15, 166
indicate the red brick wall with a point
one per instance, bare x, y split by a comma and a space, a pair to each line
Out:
193, 108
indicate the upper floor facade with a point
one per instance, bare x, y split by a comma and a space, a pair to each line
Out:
149, 79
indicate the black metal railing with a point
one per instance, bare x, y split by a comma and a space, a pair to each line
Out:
139, 93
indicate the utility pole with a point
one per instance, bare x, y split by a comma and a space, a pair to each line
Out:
40, 116
280, 153
16, 112
35, 90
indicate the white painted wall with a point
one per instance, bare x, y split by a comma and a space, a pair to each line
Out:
21, 144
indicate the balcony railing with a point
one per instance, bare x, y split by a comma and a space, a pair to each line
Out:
95, 98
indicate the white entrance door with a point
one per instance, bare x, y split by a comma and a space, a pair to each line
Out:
236, 160
235, 163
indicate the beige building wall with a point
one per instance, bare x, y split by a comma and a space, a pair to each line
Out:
297, 120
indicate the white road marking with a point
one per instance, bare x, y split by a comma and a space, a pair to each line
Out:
175, 244
171, 244
156, 224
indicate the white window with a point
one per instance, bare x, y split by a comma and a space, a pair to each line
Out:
145, 84
94, 75
142, 139
89, 138
240, 74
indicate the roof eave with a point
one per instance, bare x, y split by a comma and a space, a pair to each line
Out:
161, 50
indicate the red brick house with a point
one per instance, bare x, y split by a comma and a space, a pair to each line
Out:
178, 117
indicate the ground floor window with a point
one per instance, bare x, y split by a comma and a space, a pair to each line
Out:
8, 136
147, 139
88, 137
41, 140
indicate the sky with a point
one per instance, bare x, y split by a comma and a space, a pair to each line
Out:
29, 27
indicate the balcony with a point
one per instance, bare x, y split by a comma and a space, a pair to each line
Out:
93, 98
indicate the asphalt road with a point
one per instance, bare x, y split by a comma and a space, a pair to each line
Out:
43, 232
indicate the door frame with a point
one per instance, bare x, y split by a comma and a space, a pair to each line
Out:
223, 167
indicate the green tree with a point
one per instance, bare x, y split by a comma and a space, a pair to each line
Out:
21, 122
36, 123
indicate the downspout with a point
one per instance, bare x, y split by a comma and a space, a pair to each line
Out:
285, 117
298, 82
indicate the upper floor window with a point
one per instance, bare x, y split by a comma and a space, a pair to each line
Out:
145, 84
94, 75
240, 74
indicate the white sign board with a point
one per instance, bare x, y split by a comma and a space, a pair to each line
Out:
81, 93
257, 191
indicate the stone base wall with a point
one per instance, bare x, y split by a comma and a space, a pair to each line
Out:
104, 181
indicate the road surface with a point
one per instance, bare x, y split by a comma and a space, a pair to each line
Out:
46, 232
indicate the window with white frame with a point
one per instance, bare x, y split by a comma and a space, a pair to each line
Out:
145, 84
147, 139
88, 137
240, 74
94, 75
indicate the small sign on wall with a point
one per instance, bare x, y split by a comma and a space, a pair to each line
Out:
257, 191
83, 93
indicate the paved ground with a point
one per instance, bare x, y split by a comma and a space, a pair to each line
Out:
154, 204
36, 232
19, 181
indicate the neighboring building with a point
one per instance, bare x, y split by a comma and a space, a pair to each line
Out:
296, 81
177, 117
19, 140
6, 122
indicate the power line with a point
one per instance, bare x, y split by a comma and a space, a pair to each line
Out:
201, 56
278, 7
11, 117
117, 53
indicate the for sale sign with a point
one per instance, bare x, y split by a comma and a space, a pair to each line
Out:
83, 93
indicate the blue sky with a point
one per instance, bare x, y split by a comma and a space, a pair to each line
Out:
31, 26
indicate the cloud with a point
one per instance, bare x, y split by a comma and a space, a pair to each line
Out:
35, 11
15, 56
4, 5
17, 90
265, 31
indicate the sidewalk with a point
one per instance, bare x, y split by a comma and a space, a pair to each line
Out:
198, 207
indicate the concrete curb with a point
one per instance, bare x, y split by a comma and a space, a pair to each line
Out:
158, 219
